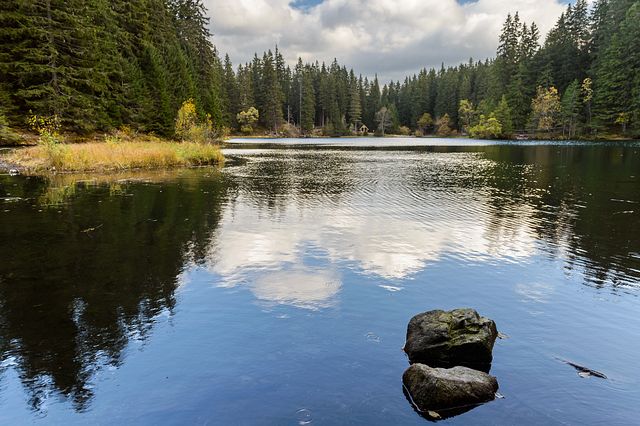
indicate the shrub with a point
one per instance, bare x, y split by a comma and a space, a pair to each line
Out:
49, 139
424, 122
290, 131
247, 119
487, 128
189, 126
404, 131
443, 128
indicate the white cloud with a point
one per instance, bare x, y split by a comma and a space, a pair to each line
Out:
391, 38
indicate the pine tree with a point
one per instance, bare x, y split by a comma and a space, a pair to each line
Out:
245, 88
271, 94
373, 104
45, 52
503, 114
355, 107
308, 112
570, 109
612, 83
230, 94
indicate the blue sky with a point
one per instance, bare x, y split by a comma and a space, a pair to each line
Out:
391, 38
304, 4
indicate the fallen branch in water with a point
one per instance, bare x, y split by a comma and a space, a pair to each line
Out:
86, 231
584, 371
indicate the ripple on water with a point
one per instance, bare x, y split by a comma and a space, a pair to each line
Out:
304, 417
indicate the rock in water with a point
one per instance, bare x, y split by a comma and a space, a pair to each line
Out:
444, 339
448, 391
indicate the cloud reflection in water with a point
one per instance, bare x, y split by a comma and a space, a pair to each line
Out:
385, 227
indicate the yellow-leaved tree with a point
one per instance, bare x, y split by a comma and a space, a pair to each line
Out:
545, 108
191, 127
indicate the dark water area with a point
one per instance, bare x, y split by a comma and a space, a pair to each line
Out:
277, 290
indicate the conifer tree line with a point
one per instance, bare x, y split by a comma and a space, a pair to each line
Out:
584, 79
101, 64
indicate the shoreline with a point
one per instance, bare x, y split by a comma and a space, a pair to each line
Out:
30, 159
108, 157
616, 138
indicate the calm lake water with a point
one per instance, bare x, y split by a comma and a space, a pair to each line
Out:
277, 290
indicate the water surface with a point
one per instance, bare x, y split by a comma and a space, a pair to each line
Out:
277, 290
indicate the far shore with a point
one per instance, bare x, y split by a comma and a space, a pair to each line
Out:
106, 154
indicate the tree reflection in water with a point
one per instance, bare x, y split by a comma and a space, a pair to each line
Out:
92, 269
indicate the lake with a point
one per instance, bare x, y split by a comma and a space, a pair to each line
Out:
278, 289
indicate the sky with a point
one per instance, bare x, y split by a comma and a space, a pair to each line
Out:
390, 38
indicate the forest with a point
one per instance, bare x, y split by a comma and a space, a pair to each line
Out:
100, 65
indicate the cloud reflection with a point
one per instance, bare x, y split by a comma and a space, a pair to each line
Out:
391, 232
303, 288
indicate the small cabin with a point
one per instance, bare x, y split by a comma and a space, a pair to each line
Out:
364, 129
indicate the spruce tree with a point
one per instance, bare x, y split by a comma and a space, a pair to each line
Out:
503, 114
308, 112
355, 107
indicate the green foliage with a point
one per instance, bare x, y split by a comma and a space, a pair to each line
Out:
502, 113
247, 119
355, 104
487, 128
307, 101
570, 109
616, 82
7, 136
100, 64
424, 122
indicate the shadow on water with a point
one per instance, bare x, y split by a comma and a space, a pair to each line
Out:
84, 271
436, 416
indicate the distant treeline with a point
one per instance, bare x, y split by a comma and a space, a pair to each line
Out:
100, 64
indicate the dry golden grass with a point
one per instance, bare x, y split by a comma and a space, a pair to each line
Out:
115, 155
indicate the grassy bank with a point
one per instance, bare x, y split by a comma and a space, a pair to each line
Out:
98, 156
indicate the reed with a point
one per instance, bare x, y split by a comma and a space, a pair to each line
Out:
114, 155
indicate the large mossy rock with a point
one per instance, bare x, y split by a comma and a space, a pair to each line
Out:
448, 391
445, 339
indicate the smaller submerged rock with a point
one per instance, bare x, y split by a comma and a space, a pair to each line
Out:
448, 391
449, 338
